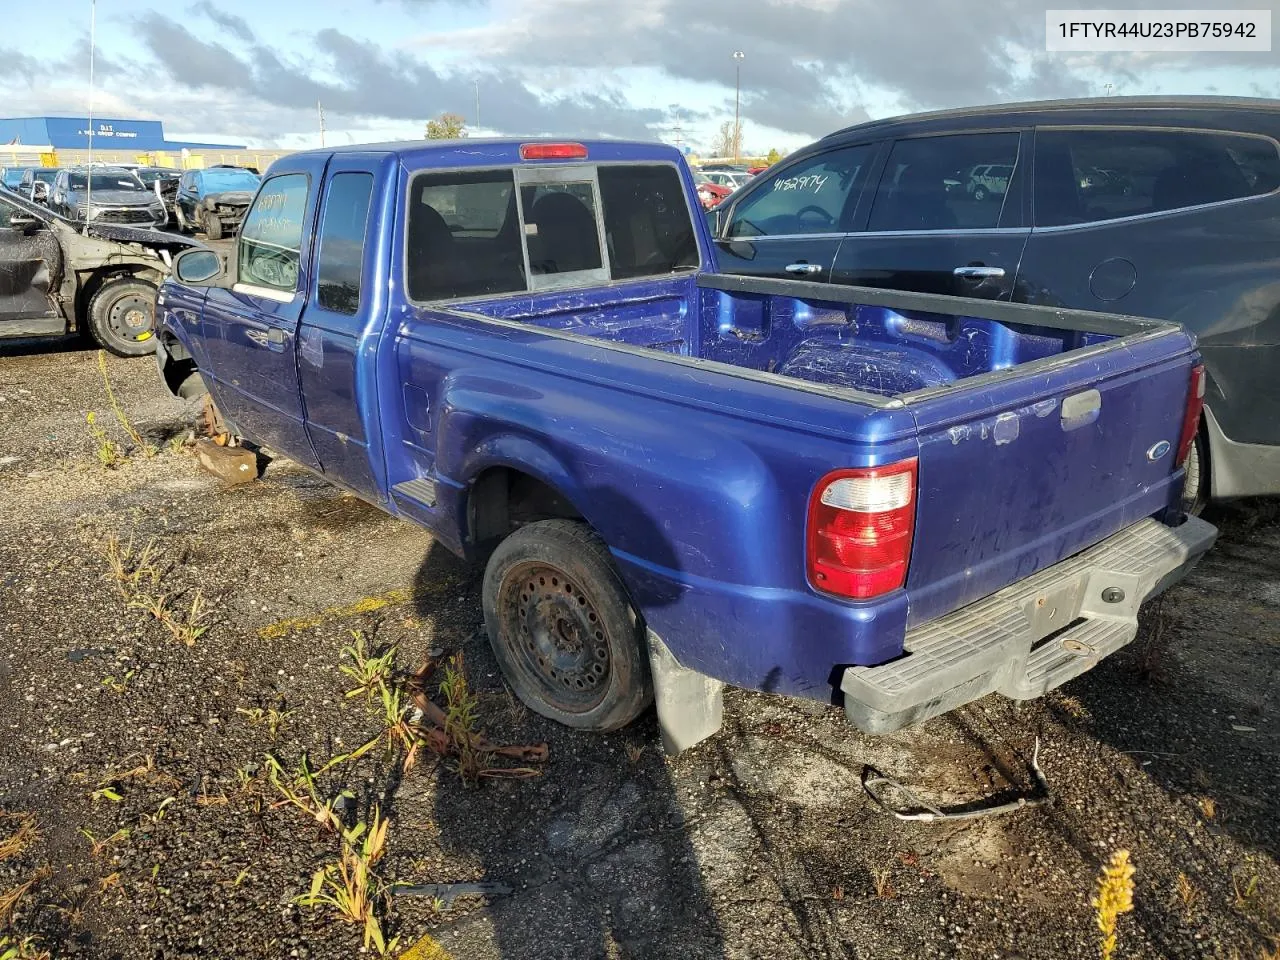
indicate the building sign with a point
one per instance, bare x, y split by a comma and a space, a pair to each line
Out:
108, 130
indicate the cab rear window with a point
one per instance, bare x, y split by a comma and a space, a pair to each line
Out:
473, 233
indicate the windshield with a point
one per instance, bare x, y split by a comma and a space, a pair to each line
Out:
220, 181
44, 176
106, 181
151, 176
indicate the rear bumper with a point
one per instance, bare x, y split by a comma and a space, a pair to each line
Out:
1031, 636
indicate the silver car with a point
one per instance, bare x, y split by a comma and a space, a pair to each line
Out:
106, 195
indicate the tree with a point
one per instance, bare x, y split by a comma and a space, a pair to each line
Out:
773, 157
728, 140
447, 126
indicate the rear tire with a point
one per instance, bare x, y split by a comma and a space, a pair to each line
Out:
563, 629
1196, 489
122, 315
212, 225
979, 193
183, 226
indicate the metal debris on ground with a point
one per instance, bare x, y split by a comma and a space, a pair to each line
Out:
448, 892
456, 740
921, 810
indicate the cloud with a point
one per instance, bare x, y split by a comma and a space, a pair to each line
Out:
602, 67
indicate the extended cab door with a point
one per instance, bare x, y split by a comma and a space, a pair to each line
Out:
791, 223
947, 217
30, 270
251, 323
344, 297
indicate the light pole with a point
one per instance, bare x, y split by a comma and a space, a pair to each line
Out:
738, 57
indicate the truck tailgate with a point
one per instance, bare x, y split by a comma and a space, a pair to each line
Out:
1023, 467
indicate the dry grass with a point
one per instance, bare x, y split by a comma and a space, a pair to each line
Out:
1114, 896
1186, 894
1208, 806
350, 888
24, 834
882, 883
462, 719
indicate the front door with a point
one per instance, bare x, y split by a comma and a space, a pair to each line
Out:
947, 218
30, 270
251, 323
790, 225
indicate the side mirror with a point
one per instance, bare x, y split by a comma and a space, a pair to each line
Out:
197, 266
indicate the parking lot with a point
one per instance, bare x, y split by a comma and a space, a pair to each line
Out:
142, 760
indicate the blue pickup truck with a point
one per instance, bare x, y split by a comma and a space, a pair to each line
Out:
680, 479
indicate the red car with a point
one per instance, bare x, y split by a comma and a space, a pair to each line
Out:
708, 192
755, 171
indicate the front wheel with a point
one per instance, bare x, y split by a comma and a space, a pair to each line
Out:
1195, 489
563, 629
212, 225
979, 193
121, 316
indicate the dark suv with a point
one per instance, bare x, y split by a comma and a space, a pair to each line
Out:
1155, 206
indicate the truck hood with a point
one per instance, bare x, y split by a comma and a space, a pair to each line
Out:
238, 198
155, 239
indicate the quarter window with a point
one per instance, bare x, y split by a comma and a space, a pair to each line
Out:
342, 238
271, 238
956, 182
1083, 176
806, 198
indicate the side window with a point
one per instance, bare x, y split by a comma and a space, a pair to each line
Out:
463, 235
646, 221
808, 197
271, 237
560, 227
342, 237
945, 183
1083, 176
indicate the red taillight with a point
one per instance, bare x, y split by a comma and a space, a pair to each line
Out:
1191, 419
552, 151
860, 527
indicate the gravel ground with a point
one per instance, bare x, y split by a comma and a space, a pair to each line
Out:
759, 843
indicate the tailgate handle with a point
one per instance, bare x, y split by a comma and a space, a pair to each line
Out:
979, 272
1081, 409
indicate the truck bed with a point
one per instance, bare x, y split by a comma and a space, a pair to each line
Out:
873, 345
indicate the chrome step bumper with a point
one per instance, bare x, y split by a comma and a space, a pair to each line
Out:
1031, 636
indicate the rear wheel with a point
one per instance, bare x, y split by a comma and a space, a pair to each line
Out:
979, 193
121, 316
183, 226
212, 225
563, 629
1195, 490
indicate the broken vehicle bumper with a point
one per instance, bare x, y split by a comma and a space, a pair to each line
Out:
1033, 635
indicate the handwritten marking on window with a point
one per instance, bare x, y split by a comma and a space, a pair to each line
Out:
810, 182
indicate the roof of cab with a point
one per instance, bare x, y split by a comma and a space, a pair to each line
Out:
500, 151
1083, 105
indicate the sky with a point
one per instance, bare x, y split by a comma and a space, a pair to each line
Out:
248, 71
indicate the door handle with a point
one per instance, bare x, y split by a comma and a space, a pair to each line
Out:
275, 335
803, 269
979, 272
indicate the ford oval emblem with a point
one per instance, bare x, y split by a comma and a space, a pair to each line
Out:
1158, 450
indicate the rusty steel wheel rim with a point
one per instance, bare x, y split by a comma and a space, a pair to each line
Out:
555, 636
130, 317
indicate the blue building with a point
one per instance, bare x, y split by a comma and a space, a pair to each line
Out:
72, 133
